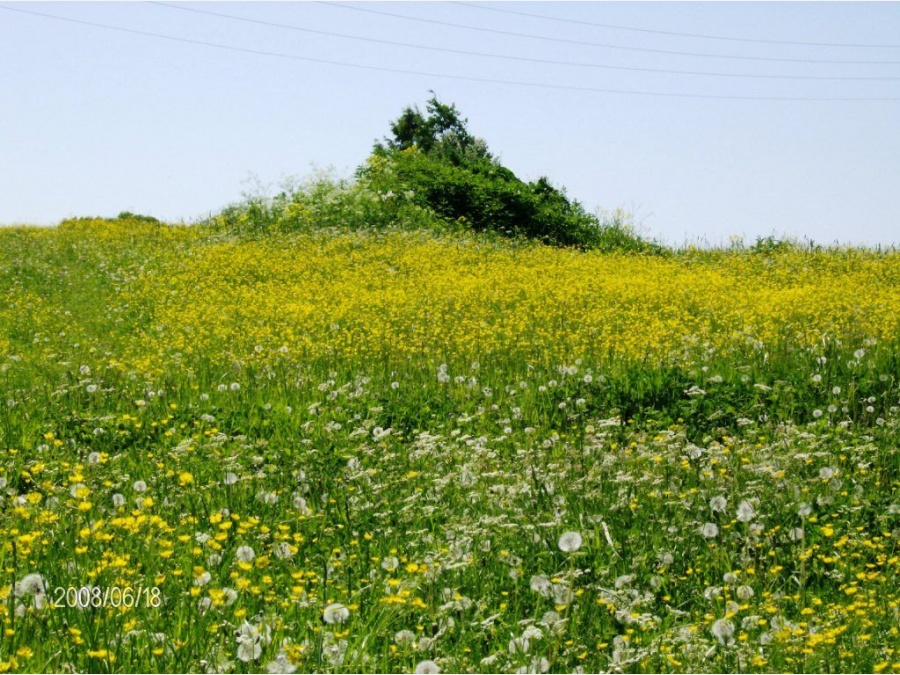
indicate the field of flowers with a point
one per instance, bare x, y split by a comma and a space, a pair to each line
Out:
344, 452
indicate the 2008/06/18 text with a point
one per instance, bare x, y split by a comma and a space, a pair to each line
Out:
110, 596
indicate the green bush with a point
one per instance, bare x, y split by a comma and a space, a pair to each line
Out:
128, 215
432, 174
434, 161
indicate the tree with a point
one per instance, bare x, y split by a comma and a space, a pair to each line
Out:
443, 133
448, 170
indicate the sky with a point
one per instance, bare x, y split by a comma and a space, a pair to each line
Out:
733, 138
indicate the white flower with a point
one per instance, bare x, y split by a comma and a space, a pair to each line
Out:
251, 640
569, 542
230, 478
723, 631
31, 584
335, 613
624, 580
710, 530
404, 637
235, 386
796, 533
248, 650
427, 667
717, 503
118, 499
139, 486
743, 592
745, 512
539, 665
519, 645
203, 579
283, 550
301, 505
562, 594
379, 434
245, 554
532, 633
281, 664
540, 584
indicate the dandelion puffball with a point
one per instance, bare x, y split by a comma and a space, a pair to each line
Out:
245, 553
335, 613
569, 542
745, 512
710, 530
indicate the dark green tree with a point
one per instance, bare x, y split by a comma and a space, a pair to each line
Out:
435, 158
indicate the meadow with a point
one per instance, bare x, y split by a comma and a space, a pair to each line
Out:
409, 451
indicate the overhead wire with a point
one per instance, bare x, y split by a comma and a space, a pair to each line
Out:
606, 45
524, 59
485, 80
581, 22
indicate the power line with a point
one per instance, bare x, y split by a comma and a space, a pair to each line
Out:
539, 85
525, 59
473, 5
585, 43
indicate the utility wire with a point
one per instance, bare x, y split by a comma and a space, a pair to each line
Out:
596, 44
558, 87
474, 5
525, 59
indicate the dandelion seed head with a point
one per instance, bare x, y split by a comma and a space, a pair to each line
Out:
245, 553
335, 613
570, 542
717, 504
745, 512
710, 530
723, 631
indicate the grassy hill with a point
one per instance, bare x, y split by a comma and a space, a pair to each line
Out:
388, 449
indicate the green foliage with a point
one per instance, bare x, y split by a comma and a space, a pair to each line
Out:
128, 215
442, 167
324, 202
432, 174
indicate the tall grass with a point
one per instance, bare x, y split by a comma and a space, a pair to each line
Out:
373, 451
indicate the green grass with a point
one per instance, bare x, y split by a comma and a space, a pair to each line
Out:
429, 501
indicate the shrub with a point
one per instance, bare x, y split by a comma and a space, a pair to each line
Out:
439, 165
128, 215
432, 174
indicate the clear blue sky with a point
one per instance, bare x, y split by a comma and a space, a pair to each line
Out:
95, 121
